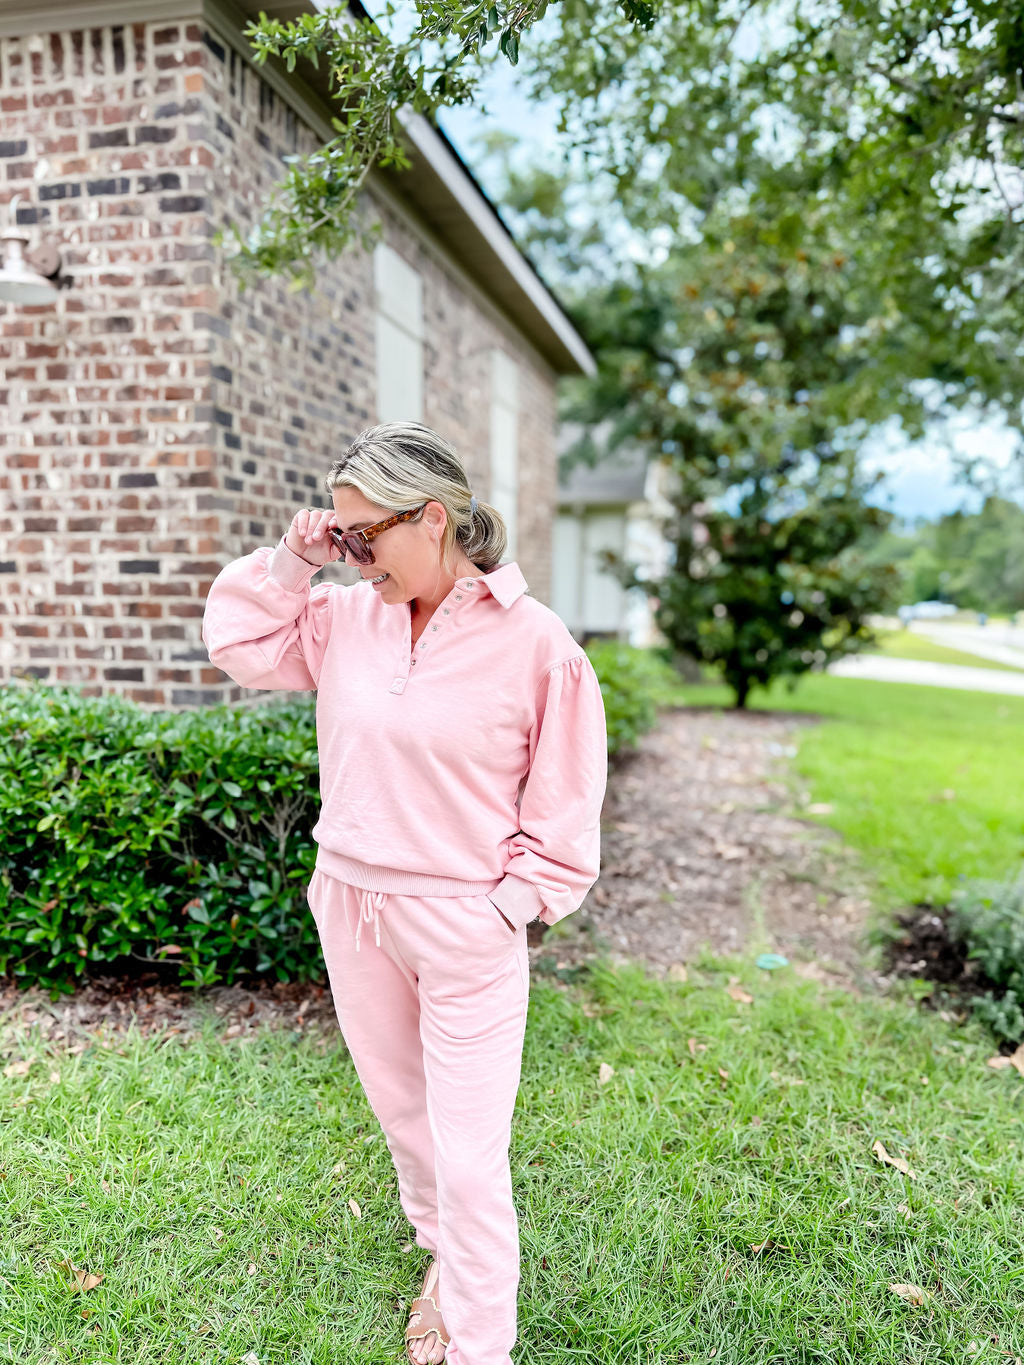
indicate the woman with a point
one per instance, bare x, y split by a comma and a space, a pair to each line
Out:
463, 761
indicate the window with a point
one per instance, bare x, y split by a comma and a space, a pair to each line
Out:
399, 337
505, 442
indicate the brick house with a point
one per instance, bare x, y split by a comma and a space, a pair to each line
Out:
158, 420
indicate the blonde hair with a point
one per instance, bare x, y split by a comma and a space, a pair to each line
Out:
399, 465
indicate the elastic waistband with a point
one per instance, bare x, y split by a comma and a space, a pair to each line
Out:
373, 877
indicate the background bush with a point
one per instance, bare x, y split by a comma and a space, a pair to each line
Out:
184, 839
988, 916
634, 683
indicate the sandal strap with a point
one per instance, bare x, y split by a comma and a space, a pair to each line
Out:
426, 1325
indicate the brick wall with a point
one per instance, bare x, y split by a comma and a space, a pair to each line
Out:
159, 421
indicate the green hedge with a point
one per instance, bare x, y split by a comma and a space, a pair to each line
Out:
183, 839
634, 684
139, 837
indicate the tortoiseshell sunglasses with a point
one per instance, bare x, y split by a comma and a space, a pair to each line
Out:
357, 543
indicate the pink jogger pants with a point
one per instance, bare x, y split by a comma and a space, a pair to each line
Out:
432, 1005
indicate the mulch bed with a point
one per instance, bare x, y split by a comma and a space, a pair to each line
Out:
706, 844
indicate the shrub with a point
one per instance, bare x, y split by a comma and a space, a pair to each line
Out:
634, 683
155, 837
185, 839
989, 917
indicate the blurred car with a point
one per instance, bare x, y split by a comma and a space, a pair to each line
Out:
926, 611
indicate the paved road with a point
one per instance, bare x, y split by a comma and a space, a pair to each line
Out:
880, 669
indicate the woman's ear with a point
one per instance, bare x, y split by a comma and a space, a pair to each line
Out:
434, 515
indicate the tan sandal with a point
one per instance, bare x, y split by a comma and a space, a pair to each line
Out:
425, 1309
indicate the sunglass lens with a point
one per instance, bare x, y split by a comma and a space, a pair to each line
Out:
352, 545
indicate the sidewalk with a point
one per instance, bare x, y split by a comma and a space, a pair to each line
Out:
880, 669
1002, 644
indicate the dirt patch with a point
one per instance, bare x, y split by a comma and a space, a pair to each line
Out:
702, 850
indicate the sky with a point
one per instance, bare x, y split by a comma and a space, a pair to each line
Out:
921, 478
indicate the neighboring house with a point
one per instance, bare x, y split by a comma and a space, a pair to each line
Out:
620, 504
158, 421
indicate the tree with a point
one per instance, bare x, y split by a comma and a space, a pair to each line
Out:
372, 77
754, 368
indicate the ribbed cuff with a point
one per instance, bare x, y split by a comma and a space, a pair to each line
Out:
519, 901
291, 570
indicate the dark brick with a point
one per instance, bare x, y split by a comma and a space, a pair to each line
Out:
222, 373
66, 190
248, 466
124, 674
184, 203
114, 137
233, 485
166, 180
150, 134
290, 439
139, 566
137, 480
262, 139
213, 45
232, 441
222, 418
13, 148
224, 127
209, 322
117, 324
8, 566
119, 185
200, 696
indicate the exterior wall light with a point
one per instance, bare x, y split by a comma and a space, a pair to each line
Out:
28, 277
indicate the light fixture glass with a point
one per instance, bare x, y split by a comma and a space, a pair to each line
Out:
20, 281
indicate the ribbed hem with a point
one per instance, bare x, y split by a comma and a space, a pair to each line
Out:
374, 877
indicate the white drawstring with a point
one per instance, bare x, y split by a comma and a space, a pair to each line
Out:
369, 903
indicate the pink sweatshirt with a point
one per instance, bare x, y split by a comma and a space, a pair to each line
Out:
474, 763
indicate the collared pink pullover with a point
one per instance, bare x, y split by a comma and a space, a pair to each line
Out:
479, 757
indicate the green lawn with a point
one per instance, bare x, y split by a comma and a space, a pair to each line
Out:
907, 644
924, 781
210, 1185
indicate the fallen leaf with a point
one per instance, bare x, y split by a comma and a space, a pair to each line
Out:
897, 1161
758, 1247
605, 1073
913, 1293
355, 1208
738, 993
18, 1068
1015, 1059
677, 972
82, 1278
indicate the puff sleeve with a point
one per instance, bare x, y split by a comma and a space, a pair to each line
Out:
555, 857
263, 625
